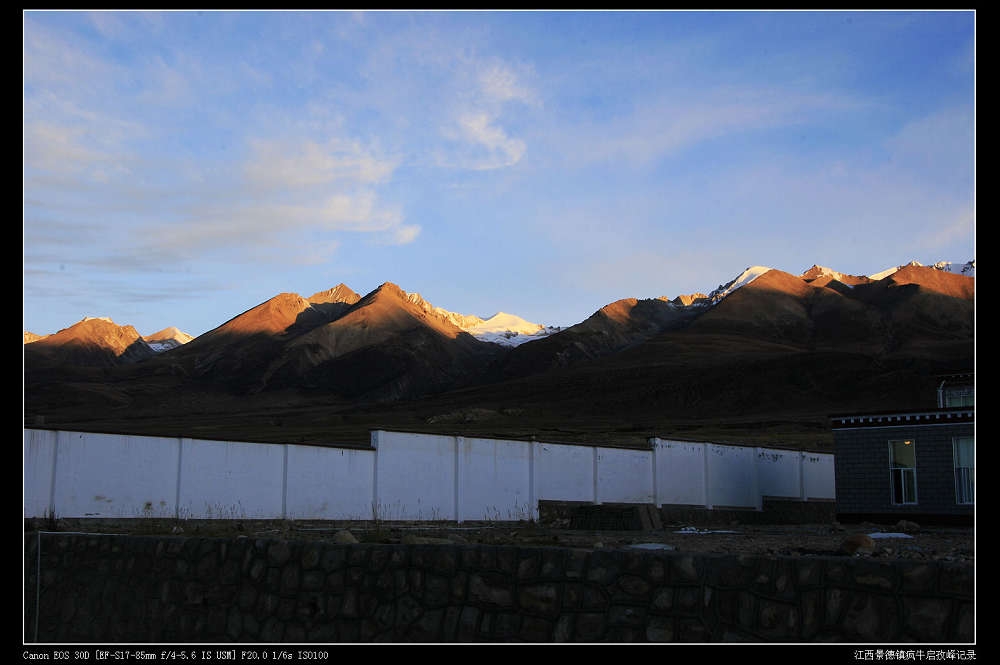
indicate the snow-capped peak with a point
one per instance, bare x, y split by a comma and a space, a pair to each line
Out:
509, 330
744, 278
166, 339
968, 268
503, 322
823, 271
97, 318
501, 328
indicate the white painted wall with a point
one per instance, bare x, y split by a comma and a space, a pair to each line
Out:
563, 472
231, 480
732, 476
39, 468
404, 476
680, 472
415, 476
105, 475
494, 480
330, 483
624, 476
779, 472
818, 476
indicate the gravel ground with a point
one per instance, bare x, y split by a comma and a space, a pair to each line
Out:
952, 544
919, 543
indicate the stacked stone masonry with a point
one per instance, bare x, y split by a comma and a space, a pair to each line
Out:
155, 589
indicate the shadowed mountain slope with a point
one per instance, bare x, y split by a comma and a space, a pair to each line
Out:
614, 327
766, 363
385, 346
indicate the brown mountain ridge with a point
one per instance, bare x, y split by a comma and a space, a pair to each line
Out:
766, 363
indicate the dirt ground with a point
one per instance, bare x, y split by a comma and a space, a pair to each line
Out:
888, 542
950, 544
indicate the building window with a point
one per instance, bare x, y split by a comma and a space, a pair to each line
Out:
956, 392
965, 469
959, 396
903, 471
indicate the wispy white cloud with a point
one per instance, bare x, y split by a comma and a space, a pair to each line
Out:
54, 59
595, 151
307, 163
261, 219
84, 129
125, 26
499, 83
166, 84
938, 145
318, 253
660, 127
483, 144
950, 231
404, 235
59, 148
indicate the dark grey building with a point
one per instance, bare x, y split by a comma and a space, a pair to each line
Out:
915, 465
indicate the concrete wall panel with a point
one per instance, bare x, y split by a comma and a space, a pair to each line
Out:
112, 476
405, 476
38, 467
680, 472
731, 476
330, 483
415, 476
624, 476
564, 473
818, 477
494, 480
779, 472
231, 480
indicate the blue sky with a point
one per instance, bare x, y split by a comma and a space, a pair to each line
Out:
182, 167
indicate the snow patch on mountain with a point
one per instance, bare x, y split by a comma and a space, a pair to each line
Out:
501, 328
968, 268
744, 278
166, 339
510, 330
823, 271
503, 322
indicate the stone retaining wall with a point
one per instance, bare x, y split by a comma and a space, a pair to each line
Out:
83, 588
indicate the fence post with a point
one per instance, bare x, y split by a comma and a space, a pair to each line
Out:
597, 496
802, 476
459, 490
706, 475
654, 444
758, 499
284, 482
177, 484
374, 443
54, 477
532, 479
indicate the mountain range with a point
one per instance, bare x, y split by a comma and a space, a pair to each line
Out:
765, 357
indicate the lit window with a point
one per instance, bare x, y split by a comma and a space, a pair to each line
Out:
964, 448
903, 471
